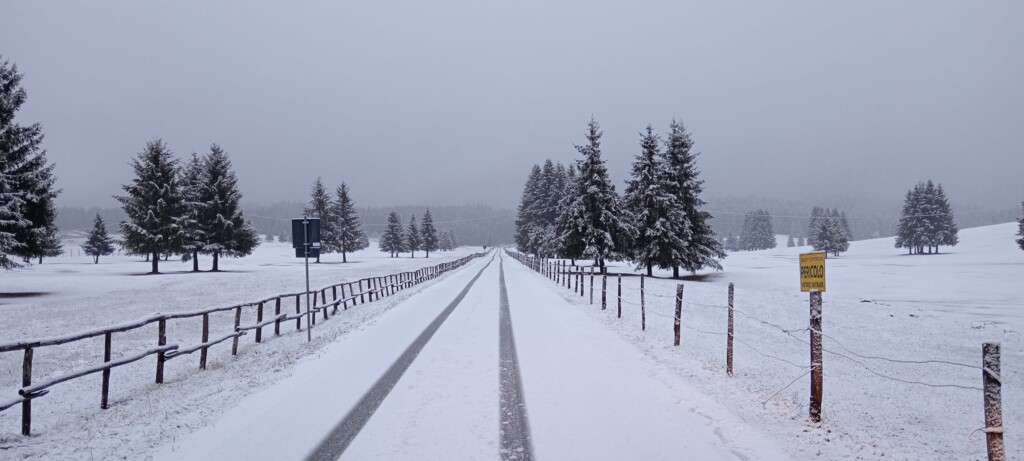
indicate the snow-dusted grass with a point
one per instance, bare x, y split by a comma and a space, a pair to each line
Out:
78, 295
879, 303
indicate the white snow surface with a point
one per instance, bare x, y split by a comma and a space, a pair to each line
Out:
881, 305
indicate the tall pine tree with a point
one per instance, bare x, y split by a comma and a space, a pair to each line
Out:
154, 205
320, 207
392, 241
757, 233
661, 227
348, 232
526, 217
1020, 228
702, 248
428, 234
98, 243
193, 179
27, 193
412, 237
225, 229
594, 215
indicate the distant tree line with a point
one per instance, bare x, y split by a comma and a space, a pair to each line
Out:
1020, 228
574, 212
27, 183
185, 211
415, 238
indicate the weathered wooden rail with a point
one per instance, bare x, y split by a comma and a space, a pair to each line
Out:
372, 288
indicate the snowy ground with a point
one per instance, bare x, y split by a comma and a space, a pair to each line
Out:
78, 295
880, 303
585, 387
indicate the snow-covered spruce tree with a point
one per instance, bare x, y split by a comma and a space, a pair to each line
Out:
391, 241
947, 232
453, 240
549, 192
757, 233
320, 207
443, 243
1020, 228
526, 214
348, 232
412, 237
906, 229
192, 181
594, 215
814, 225
428, 234
27, 214
224, 227
790, 243
702, 248
845, 224
832, 238
154, 205
661, 227
98, 243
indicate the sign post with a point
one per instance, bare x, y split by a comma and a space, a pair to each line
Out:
306, 246
812, 279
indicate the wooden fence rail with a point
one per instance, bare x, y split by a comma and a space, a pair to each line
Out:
376, 288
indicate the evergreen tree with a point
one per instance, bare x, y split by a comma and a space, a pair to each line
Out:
658, 216
320, 207
348, 233
412, 237
27, 214
224, 227
702, 248
526, 215
284, 237
800, 241
832, 237
817, 214
428, 234
926, 220
391, 241
154, 205
947, 232
790, 243
594, 215
193, 179
98, 243
1020, 229
444, 244
757, 231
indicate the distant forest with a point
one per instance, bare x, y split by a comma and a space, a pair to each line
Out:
474, 225
868, 218
480, 224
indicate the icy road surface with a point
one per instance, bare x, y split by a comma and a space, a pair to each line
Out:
490, 363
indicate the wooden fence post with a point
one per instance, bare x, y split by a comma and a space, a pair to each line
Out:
323, 296
591, 285
161, 340
643, 306
105, 391
205, 338
604, 292
679, 312
344, 302
334, 292
992, 385
277, 313
817, 380
238, 321
362, 296
26, 381
298, 320
620, 296
259, 318
728, 336
312, 314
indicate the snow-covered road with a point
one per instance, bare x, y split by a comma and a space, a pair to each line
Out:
444, 376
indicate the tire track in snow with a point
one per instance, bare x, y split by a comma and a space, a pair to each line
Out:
515, 427
332, 447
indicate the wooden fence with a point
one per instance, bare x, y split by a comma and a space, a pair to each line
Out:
358, 292
574, 278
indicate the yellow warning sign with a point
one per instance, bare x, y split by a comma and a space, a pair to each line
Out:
812, 271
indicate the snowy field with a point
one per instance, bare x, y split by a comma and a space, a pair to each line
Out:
78, 295
880, 304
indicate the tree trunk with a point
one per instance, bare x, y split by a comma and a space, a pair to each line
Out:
675, 272
343, 258
650, 270
40, 260
195, 261
156, 263
216, 258
96, 259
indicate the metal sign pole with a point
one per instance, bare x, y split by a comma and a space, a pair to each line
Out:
305, 245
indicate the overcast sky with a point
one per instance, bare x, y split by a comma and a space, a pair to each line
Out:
452, 102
